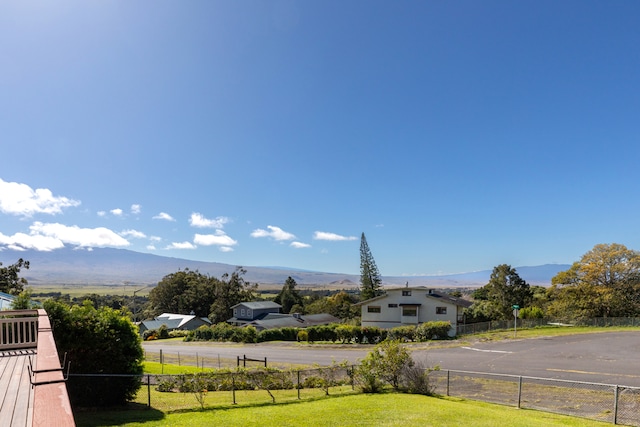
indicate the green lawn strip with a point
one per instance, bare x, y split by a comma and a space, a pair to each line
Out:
346, 410
547, 331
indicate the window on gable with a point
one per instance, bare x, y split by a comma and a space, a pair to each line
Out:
441, 310
373, 309
242, 312
249, 312
393, 305
406, 293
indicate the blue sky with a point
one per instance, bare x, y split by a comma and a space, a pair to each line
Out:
456, 135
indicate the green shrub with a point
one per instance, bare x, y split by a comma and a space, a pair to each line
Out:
163, 332
346, 333
303, 335
433, 330
373, 334
386, 362
402, 333
250, 334
97, 341
323, 332
531, 313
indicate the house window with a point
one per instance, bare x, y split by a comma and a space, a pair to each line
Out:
441, 310
242, 312
373, 309
406, 293
409, 311
235, 311
393, 305
248, 312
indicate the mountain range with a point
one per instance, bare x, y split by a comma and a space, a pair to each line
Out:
108, 266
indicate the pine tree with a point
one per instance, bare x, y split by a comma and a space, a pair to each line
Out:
370, 280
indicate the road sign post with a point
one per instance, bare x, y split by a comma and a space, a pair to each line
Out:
516, 308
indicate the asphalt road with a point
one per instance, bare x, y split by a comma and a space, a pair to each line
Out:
609, 358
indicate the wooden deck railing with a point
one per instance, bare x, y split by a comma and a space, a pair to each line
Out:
18, 329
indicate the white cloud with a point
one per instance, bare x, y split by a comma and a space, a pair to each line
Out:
299, 245
151, 247
133, 233
275, 233
21, 241
102, 213
198, 220
225, 249
165, 216
218, 239
86, 237
155, 238
323, 235
116, 212
183, 245
20, 199
136, 209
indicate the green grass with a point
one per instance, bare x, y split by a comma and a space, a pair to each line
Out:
347, 410
546, 331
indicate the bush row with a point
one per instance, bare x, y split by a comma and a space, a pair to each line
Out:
242, 379
334, 332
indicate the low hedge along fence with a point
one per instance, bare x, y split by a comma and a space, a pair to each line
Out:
335, 332
263, 379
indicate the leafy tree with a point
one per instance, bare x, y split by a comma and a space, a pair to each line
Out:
289, 296
189, 291
183, 292
605, 282
10, 283
370, 280
339, 305
229, 291
505, 289
97, 341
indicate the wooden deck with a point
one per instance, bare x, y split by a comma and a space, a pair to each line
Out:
33, 391
16, 393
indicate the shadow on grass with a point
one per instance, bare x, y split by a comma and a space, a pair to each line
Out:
132, 412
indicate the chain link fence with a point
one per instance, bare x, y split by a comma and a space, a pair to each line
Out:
211, 389
500, 325
603, 402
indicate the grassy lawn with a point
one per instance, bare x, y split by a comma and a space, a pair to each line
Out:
347, 410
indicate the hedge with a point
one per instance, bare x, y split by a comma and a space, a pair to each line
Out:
325, 333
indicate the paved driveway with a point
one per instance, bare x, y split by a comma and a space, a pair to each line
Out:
610, 358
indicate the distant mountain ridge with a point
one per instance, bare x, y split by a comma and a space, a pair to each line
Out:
108, 266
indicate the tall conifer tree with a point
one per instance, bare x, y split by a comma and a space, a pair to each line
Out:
370, 280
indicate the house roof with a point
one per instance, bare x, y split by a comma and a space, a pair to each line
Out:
429, 293
156, 324
182, 319
257, 305
450, 299
290, 321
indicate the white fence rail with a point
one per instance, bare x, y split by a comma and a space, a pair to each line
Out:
18, 329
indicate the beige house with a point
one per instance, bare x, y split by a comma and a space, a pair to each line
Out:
412, 306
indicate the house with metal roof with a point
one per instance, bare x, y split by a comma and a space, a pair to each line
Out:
247, 312
266, 315
296, 320
412, 306
172, 321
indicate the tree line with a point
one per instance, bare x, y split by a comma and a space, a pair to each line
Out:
605, 282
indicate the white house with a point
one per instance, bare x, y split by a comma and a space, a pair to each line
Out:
412, 306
